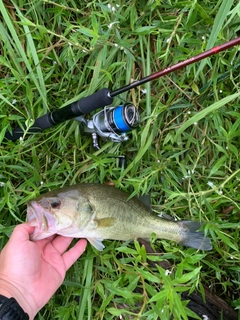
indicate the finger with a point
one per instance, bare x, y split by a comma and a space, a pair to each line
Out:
51, 238
74, 253
22, 232
61, 243
43, 242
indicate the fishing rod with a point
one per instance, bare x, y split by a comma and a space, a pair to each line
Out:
113, 122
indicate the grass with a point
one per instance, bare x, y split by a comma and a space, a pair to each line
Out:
185, 152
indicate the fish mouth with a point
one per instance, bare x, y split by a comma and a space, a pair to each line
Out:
36, 217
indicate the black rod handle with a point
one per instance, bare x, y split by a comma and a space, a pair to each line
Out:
83, 106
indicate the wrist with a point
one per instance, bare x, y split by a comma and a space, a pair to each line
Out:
8, 290
11, 310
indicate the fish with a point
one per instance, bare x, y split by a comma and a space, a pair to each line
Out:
101, 212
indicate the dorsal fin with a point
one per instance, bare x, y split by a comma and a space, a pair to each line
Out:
146, 199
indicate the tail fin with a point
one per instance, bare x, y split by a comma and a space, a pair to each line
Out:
193, 238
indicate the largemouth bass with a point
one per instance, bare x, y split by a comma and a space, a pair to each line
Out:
98, 212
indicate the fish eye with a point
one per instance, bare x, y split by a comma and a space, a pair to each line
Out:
55, 204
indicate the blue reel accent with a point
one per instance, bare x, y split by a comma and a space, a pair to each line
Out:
118, 119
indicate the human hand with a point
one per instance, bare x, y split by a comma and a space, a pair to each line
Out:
30, 271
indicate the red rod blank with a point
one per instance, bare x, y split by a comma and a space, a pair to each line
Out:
178, 65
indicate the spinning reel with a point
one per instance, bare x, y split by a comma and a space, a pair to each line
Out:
111, 123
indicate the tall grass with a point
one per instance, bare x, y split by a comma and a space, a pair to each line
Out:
185, 152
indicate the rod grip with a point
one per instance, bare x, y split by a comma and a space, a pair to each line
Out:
40, 124
96, 100
83, 106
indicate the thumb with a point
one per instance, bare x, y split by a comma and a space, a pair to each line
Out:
22, 232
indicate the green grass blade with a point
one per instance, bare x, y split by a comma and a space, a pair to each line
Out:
200, 115
32, 49
217, 26
85, 301
19, 49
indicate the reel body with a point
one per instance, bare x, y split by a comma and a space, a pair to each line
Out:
111, 123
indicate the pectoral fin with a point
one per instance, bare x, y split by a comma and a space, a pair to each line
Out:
100, 223
96, 243
106, 222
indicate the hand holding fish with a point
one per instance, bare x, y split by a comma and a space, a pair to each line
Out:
32, 271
